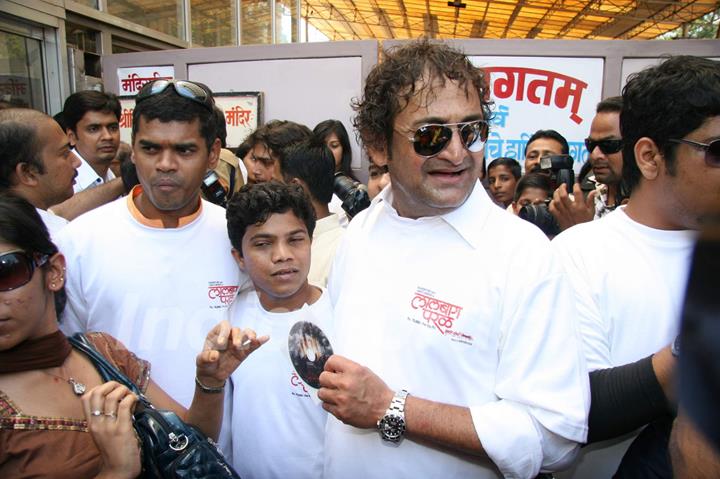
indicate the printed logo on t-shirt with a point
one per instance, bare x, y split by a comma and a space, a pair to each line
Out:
220, 295
431, 312
298, 386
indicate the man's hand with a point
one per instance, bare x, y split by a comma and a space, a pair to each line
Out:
568, 212
225, 348
352, 393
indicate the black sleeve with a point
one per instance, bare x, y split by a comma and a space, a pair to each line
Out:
623, 399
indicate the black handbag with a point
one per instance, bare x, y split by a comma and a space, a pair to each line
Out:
170, 447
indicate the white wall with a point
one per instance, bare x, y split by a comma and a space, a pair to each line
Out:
305, 90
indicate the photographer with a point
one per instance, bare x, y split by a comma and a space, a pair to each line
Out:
222, 182
350, 196
557, 170
605, 147
543, 143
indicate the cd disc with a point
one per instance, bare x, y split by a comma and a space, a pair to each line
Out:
309, 350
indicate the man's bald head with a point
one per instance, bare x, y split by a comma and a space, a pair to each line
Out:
18, 142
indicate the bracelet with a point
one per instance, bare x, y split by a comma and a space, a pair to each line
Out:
208, 389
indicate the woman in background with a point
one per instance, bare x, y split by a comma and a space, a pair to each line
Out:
335, 136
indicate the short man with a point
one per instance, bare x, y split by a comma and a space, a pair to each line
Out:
605, 147
503, 175
278, 428
543, 143
36, 162
154, 269
92, 119
269, 141
436, 293
670, 116
311, 165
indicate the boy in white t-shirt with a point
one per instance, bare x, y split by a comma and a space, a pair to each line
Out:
277, 421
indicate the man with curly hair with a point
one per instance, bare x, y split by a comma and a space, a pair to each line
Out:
457, 340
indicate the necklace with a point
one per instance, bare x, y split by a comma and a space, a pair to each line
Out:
78, 388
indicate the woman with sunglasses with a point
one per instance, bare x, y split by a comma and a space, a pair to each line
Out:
57, 418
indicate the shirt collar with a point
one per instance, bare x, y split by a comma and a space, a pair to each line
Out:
156, 223
467, 220
87, 175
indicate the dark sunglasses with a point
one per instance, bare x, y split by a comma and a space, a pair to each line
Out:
712, 150
429, 140
17, 267
186, 89
608, 146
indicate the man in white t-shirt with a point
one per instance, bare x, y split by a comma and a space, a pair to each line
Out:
277, 423
154, 269
629, 269
36, 162
436, 295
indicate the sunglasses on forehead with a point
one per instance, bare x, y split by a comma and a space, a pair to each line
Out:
17, 267
186, 89
712, 150
607, 146
429, 140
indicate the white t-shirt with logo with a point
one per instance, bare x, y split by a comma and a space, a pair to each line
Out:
159, 291
470, 308
278, 424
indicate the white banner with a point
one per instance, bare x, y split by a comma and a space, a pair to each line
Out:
130, 80
540, 93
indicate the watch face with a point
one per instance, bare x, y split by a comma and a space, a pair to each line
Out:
392, 427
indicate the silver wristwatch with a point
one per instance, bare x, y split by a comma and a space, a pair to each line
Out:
392, 424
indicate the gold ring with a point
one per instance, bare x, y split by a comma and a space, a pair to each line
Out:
111, 414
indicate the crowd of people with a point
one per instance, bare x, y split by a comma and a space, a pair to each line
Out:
508, 321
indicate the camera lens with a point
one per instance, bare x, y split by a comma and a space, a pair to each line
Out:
354, 195
540, 216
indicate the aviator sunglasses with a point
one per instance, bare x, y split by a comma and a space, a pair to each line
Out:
607, 146
429, 140
17, 268
712, 150
186, 89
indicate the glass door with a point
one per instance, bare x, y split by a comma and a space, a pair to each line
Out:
21, 71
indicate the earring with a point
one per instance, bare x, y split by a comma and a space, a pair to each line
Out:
52, 285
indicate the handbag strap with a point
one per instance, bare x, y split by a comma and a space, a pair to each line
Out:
107, 371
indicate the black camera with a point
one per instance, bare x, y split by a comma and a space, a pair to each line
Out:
560, 170
540, 216
213, 190
354, 195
